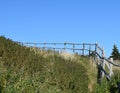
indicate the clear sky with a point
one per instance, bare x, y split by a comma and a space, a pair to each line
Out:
77, 21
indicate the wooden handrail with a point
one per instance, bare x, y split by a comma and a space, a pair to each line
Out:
73, 47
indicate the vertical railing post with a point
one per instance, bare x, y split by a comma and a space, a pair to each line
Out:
73, 48
65, 46
89, 50
103, 62
111, 70
44, 45
83, 49
103, 53
96, 46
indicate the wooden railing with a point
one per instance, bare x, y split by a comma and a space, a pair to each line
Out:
83, 49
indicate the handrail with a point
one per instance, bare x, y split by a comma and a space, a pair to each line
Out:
96, 46
103, 58
59, 43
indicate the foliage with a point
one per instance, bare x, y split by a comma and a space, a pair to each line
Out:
31, 70
28, 70
109, 87
115, 53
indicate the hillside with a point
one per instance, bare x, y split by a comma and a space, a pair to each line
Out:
28, 70
31, 70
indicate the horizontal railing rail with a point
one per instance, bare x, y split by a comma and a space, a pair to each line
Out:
75, 47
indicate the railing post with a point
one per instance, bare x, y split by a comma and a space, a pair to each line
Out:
89, 50
103, 53
73, 48
44, 45
96, 46
103, 62
83, 48
111, 71
65, 46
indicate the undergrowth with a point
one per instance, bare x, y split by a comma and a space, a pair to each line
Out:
27, 70
109, 86
31, 70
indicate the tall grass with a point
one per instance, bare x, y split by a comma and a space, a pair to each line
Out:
31, 70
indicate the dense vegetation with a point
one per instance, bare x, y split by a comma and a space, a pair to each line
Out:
31, 70
28, 70
109, 86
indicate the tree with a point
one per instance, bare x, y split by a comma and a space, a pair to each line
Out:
115, 53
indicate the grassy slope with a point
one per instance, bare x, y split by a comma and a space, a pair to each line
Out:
25, 70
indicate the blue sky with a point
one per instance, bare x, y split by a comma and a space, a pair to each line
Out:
75, 21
